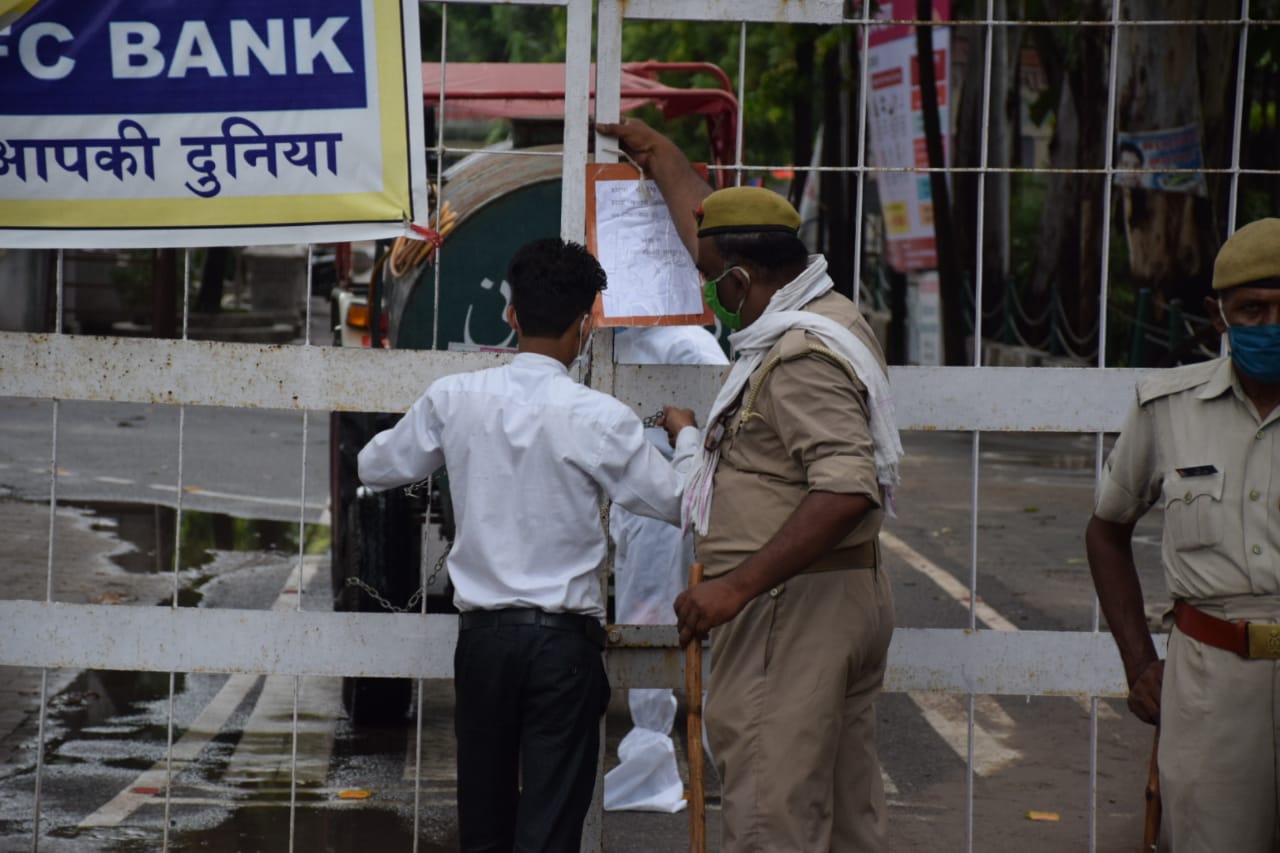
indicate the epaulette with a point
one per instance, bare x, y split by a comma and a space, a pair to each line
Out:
1175, 379
792, 345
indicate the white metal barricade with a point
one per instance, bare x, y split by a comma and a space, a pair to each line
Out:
979, 398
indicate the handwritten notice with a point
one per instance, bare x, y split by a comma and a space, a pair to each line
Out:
650, 271
652, 279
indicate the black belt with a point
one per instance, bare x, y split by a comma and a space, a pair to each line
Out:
579, 622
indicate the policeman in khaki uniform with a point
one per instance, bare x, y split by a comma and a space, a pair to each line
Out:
798, 466
1203, 442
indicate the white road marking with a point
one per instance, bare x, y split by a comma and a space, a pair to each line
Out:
114, 481
948, 714
264, 753
265, 750
205, 727
944, 580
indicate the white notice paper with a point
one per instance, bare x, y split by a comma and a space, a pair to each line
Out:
650, 271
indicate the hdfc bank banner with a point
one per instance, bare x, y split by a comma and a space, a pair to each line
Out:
139, 123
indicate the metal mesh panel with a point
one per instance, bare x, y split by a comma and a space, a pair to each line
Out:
300, 648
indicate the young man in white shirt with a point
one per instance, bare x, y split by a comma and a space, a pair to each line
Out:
531, 456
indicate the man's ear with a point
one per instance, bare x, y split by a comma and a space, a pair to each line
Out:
510, 316
1215, 316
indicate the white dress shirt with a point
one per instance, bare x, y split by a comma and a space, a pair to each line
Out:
531, 455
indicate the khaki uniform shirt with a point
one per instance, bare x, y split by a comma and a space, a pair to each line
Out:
1194, 443
801, 426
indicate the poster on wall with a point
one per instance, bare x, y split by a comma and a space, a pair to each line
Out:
1177, 148
158, 123
896, 123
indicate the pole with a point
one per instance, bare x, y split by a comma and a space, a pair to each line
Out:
950, 284
693, 686
1151, 827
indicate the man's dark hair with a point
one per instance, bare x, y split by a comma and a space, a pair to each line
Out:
780, 253
552, 283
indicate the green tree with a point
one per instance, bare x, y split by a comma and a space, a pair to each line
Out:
499, 33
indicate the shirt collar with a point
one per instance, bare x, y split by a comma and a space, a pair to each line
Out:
1222, 381
538, 362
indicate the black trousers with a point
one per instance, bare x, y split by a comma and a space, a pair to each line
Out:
529, 698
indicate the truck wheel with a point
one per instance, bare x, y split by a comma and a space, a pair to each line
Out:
376, 701
383, 544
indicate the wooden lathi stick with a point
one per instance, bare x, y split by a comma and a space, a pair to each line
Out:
1151, 826
693, 686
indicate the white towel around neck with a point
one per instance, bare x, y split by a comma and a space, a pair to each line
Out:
752, 343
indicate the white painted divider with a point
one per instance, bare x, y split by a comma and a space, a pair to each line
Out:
208, 373
91, 636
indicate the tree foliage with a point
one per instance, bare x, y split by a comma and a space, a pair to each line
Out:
498, 33
797, 77
510, 33
772, 85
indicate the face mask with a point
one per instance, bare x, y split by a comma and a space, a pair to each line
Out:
732, 320
583, 361
1255, 350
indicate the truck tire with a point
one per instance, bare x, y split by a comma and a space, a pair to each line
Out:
377, 549
383, 545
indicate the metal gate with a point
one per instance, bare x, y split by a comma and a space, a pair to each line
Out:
293, 642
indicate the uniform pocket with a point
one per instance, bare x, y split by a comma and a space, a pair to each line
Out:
1193, 510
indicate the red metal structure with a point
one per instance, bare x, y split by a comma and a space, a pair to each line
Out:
535, 90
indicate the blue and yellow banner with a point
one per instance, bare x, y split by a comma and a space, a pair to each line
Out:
132, 123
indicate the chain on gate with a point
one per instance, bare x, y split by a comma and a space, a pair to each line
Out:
411, 606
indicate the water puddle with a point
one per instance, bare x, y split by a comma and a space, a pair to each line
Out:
315, 829
152, 531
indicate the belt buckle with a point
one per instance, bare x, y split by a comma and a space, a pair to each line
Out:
1264, 641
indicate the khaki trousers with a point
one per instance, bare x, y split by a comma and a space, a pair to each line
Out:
1218, 718
790, 715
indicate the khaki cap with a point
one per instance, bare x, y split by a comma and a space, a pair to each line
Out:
1251, 254
742, 210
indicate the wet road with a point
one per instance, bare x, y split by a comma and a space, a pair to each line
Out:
238, 783
247, 463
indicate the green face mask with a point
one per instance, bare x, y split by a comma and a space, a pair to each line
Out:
732, 320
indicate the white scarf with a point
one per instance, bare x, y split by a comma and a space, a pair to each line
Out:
750, 345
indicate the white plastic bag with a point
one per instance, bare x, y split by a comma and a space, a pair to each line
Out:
647, 780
